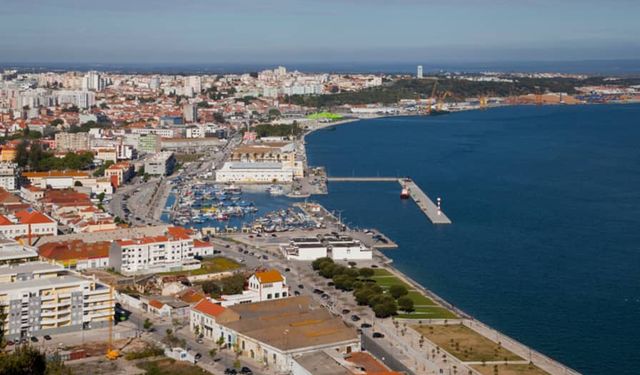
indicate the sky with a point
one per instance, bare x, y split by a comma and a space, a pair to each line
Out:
280, 31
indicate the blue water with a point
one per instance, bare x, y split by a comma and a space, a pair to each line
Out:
545, 203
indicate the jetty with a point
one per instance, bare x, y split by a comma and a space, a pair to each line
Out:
431, 209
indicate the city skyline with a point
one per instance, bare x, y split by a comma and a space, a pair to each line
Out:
71, 31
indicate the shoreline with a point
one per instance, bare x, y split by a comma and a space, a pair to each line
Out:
539, 359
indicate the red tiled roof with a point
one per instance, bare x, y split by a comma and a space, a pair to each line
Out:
33, 217
198, 243
155, 303
76, 249
271, 276
209, 308
5, 221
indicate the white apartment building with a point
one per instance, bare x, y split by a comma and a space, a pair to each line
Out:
8, 180
156, 254
306, 249
160, 164
73, 141
12, 252
27, 223
40, 298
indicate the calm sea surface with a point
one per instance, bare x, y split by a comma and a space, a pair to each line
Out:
545, 203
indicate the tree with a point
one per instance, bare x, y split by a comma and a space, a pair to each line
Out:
211, 287
101, 197
233, 284
22, 154
316, 264
398, 291
405, 304
385, 309
147, 324
366, 272
56, 122
25, 360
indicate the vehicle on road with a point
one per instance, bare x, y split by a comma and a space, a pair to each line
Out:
230, 371
34, 339
300, 286
346, 311
46, 337
378, 335
355, 318
246, 370
296, 293
365, 325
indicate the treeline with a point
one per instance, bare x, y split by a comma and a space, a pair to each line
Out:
365, 290
266, 130
34, 158
458, 90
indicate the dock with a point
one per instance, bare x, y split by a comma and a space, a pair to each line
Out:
432, 210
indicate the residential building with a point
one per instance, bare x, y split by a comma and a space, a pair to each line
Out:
190, 112
262, 286
8, 180
12, 252
119, 173
73, 141
76, 254
419, 73
39, 298
172, 251
26, 224
160, 164
296, 326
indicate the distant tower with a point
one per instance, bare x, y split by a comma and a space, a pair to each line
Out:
419, 74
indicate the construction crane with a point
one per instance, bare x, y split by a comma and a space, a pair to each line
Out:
112, 353
432, 99
441, 99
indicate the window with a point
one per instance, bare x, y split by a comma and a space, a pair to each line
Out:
269, 296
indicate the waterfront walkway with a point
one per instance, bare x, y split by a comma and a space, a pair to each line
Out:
433, 211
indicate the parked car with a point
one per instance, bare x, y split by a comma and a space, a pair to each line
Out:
34, 339
296, 293
378, 335
346, 311
355, 318
246, 370
46, 337
230, 371
300, 286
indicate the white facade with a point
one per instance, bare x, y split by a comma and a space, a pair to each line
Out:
25, 223
309, 249
8, 176
242, 172
39, 298
155, 254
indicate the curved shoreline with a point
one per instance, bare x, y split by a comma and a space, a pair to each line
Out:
539, 359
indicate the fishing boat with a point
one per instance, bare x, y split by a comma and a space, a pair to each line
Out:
404, 194
276, 190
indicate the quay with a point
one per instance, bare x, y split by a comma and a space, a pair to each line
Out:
432, 210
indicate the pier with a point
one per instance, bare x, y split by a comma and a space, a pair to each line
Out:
432, 210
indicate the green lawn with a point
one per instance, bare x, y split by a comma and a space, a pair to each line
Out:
425, 308
324, 115
420, 300
429, 312
210, 265
381, 272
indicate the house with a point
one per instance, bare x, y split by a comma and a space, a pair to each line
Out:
274, 332
27, 223
261, 286
76, 254
165, 307
202, 318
